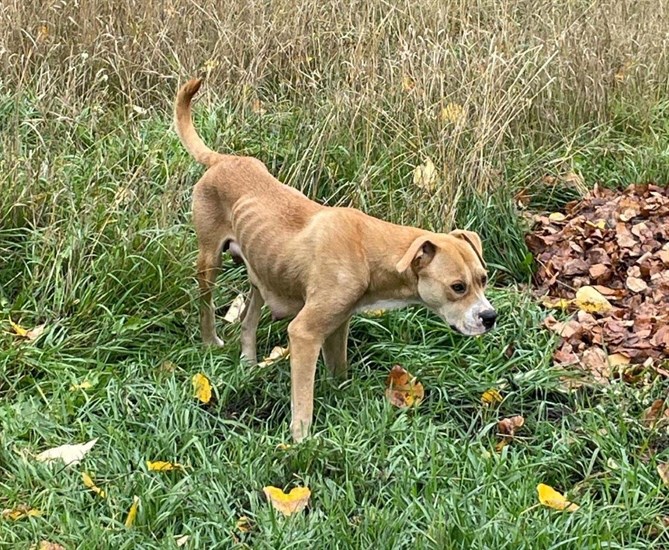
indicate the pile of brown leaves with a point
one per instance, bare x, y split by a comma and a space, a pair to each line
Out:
613, 244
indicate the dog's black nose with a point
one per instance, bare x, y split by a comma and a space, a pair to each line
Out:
488, 318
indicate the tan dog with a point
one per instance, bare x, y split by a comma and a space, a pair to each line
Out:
318, 264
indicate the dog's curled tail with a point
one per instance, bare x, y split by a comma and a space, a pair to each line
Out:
183, 122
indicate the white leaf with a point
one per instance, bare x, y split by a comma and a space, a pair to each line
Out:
69, 454
234, 314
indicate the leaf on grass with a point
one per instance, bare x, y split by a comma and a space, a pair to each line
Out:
283, 446
234, 314
453, 113
244, 524
425, 176
69, 454
590, 300
408, 83
275, 355
160, 466
181, 540
46, 545
202, 387
88, 482
132, 513
551, 498
663, 471
374, 313
491, 397
85, 385
508, 426
20, 512
656, 415
18, 329
618, 359
402, 389
291, 503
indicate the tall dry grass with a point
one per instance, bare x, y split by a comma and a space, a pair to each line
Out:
512, 74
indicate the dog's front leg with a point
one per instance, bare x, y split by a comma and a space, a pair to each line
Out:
334, 351
250, 320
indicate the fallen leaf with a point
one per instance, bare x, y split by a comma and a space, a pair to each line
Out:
555, 303
257, 108
635, 284
18, 329
160, 466
590, 300
618, 359
491, 397
20, 512
551, 498
202, 387
663, 470
291, 503
46, 545
408, 83
595, 361
181, 540
508, 426
244, 524
373, 313
132, 513
656, 415
283, 446
234, 313
402, 389
88, 482
69, 454
85, 385
453, 113
275, 355
425, 176
557, 217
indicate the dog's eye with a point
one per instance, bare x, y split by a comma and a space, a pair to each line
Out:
484, 280
458, 287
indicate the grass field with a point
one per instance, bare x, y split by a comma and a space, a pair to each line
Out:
342, 100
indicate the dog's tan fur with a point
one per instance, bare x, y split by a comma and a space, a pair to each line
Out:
318, 264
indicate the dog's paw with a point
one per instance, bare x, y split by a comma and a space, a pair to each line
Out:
214, 342
248, 360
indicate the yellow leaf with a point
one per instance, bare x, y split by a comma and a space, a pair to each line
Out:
234, 314
557, 217
18, 329
453, 113
402, 389
618, 359
244, 524
132, 513
425, 176
69, 454
202, 387
551, 498
597, 224
283, 446
210, 65
290, 503
160, 466
88, 482
373, 313
275, 355
590, 300
555, 303
408, 83
491, 396
180, 541
20, 512
46, 545
85, 385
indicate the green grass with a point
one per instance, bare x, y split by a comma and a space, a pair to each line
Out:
96, 242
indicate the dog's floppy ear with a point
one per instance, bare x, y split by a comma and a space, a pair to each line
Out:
418, 255
472, 239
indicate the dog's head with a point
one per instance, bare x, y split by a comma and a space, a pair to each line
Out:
452, 278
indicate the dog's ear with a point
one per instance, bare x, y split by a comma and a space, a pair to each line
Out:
418, 255
472, 239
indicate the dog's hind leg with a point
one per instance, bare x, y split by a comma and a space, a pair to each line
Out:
334, 351
250, 321
208, 268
